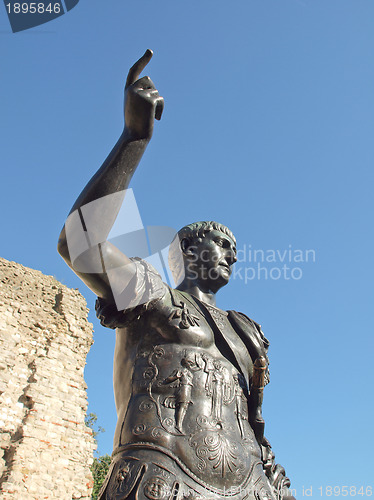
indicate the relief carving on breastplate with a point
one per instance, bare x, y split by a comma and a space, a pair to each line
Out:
156, 488
196, 397
222, 387
218, 316
150, 376
182, 312
218, 386
214, 449
182, 381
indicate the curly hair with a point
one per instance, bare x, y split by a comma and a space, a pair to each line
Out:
191, 232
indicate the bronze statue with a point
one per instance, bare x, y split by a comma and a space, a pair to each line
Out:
188, 377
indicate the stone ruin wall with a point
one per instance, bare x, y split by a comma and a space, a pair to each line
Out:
45, 447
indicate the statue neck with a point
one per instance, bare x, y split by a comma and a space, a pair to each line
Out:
205, 296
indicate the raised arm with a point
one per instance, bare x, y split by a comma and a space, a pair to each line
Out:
82, 242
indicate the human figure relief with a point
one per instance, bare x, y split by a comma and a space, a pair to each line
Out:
184, 383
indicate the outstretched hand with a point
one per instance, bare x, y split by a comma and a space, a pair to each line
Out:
142, 101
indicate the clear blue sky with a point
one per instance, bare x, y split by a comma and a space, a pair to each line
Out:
268, 127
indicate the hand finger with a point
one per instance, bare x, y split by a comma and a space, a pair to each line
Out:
153, 97
159, 108
148, 94
138, 67
143, 83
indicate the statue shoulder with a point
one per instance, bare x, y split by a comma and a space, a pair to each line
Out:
139, 295
246, 323
251, 334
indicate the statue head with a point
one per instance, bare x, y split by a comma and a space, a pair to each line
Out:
203, 252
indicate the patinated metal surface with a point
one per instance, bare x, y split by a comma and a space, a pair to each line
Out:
188, 377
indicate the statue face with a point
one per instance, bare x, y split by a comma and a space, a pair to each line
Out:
209, 261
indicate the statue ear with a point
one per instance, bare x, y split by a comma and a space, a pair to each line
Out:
186, 247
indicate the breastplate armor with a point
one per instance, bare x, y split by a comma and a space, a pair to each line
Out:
189, 399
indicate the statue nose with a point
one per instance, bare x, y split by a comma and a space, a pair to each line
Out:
231, 257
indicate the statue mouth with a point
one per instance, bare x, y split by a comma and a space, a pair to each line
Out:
225, 266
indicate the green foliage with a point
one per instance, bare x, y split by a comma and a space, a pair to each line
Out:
91, 420
99, 470
100, 465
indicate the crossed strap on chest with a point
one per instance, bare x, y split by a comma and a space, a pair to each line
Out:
249, 333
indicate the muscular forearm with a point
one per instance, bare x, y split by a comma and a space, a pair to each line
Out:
106, 188
113, 177
116, 172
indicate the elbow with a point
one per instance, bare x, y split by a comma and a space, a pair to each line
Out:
62, 246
